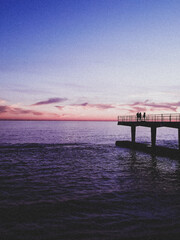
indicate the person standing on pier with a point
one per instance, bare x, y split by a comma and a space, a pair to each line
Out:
144, 116
140, 116
137, 115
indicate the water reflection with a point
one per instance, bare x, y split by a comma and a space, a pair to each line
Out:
147, 172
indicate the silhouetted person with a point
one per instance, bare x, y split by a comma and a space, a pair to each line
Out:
144, 116
137, 115
140, 116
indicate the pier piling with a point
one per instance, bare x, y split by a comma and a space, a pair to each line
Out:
153, 136
179, 137
133, 134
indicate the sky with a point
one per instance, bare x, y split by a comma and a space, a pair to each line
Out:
88, 59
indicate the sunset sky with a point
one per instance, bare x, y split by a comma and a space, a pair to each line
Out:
88, 59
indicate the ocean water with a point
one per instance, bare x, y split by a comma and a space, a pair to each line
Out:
68, 180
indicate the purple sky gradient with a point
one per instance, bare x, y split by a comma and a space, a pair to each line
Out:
96, 59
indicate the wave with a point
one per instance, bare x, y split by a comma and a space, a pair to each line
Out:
39, 145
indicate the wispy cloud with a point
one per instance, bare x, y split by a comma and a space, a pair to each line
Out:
50, 101
14, 110
3, 109
151, 106
86, 110
2, 101
137, 109
59, 107
98, 106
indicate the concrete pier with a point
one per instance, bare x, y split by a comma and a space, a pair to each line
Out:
153, 122
179, 137
133, 134
153, 136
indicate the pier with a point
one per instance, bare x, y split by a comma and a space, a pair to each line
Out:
152, 121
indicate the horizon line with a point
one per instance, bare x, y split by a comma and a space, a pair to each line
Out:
60, 120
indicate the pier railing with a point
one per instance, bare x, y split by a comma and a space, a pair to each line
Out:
174, 117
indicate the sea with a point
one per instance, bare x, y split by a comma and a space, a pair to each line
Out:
66, 180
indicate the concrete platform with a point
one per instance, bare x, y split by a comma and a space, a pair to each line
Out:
150, 124
157, 150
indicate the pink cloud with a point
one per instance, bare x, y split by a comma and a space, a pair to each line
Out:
12, 110
59, 107
151, 106
98, 106
50, 101
86, 111
3, 109
17, 113
138, 109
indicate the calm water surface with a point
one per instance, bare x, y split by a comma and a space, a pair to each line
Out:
67, 180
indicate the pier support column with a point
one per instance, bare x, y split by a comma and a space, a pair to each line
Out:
153, 137
179, 137
133, 133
